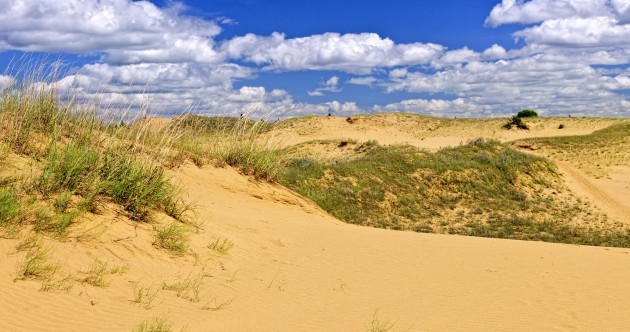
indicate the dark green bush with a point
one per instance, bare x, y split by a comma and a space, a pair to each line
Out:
527, 114
517, 122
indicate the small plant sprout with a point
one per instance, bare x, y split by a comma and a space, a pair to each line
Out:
37, 264
222, 246
157, 324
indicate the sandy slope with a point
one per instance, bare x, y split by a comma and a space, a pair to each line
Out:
611, 195
295, 268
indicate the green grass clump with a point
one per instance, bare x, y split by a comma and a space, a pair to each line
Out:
37, 265
99, 272
174, 237
482, 188
220, 124
137, 186
68, 168
236, 142
188, 288
10, 207
221, 246
251, 157
49, 221
158, 324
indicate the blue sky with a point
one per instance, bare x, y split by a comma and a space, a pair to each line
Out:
289, 58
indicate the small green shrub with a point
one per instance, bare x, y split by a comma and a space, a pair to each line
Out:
135, 185
68, 168
56, 223
173, 237
527, 114
517, 122
99, 272
221, 246
188, 288
10, 207
158, 324
251, 157
62, 202
37, 265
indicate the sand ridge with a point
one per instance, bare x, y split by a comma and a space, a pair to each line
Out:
426, 132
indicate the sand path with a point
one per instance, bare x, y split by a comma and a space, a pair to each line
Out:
610, 195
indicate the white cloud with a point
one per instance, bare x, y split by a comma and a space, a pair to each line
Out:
249, 94
398, 73
153, 77
495, 52
331, 85
364, 80
315, 93
534, 11
346, 108
172, 60
568, 23
438, 107
355, 53
128, 31
558, 85
168, 89
456, 57
578, 32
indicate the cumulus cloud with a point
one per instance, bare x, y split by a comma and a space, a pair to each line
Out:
160, 55
559, 85
168, 89
346, 108
534, 11
364, 80
568, 23
457, 57
495, 52
438, 107
154, 77
355, 53
578, 32
331, 85
127, 31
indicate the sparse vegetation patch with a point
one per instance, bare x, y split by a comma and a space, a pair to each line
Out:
173, 237
158, 324
593, 153
483, 188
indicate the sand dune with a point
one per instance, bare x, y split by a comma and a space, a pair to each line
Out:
295, 268
427, 132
